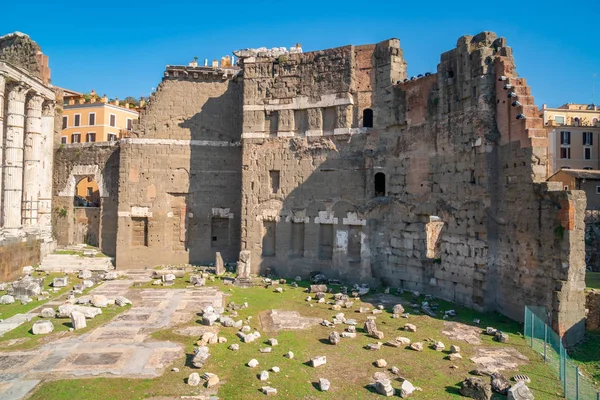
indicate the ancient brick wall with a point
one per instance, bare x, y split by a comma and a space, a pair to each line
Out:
448, 145
72, 163
180, 178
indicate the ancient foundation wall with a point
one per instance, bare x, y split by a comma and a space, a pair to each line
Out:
17, 253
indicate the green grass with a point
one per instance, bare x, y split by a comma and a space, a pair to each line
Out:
61, 329
180, 283
587, 355
9, 310
349, 366
592, 280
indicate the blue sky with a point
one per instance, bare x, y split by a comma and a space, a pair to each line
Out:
121, 48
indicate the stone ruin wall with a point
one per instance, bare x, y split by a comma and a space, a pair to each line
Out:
180, 174
73, 162
19, 50
450, 146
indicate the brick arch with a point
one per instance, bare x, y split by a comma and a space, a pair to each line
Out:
77, 173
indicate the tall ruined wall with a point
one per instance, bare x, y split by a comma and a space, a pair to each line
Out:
19, 50
180, 177
77, 161
453, 160
301, 162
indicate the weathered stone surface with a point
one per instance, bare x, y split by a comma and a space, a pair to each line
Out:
410, 328
384, 387
519, 391
209, 318
84, 274
201, 355
324, 384
417, 346
212, 380
7, 299
398, 309
318, 289
439, 346
42, 327
48, 313
269, 391
78, 320
65, 310
219, 265
122, 301
99, 300
370, 328
476, 388
318, 361
194, 379
264, 376
454, 349
28, 270
334, 338
499, 383
381, 363
406, 389
501, 337
253, 363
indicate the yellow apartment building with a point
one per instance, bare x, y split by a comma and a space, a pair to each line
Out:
89, 119
95, 119
573, 137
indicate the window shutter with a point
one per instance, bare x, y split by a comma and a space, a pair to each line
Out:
562, 138
584, 137
591, 138
568, 137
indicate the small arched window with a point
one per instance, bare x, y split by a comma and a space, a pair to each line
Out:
379, 184
367, 118
594, 121
576, 121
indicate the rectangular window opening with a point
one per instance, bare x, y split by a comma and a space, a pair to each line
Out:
587, 153
329, 119
76, 138
274, 178
354, 243
92, 119
325, 241
113, 120
77, 121
64, 140
433, 230
139, 231
129, 124
300, 121
65, 122
219, 230
297, 242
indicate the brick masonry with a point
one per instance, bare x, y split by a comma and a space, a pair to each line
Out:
334, 161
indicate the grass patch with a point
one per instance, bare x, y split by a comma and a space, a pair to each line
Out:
9, 310
61, 329
592, 280
587, 356
349, 365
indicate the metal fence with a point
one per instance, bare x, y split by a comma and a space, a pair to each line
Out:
546, 342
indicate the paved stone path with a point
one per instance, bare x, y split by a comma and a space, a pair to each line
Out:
118, 348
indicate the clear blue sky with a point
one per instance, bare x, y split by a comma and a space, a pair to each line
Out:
121, 47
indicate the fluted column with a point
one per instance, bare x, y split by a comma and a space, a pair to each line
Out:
2, 87
13, 158
45, 172
31, 160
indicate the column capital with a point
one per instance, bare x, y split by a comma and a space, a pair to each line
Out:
34, 101
2, 80
17, 91
48, 108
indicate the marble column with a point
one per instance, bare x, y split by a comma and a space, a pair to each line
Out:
45, 171
13, 158
2, 87
31, 160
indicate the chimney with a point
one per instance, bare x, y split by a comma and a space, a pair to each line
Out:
544, 106
215, 64
104, 99
193, 63
143, 102
71, 101
82, 100
116, 101
126, 105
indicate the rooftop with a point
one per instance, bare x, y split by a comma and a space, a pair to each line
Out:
581, 173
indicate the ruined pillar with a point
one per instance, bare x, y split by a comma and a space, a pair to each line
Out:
45, 169
13, 158
31, 160
2, 87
